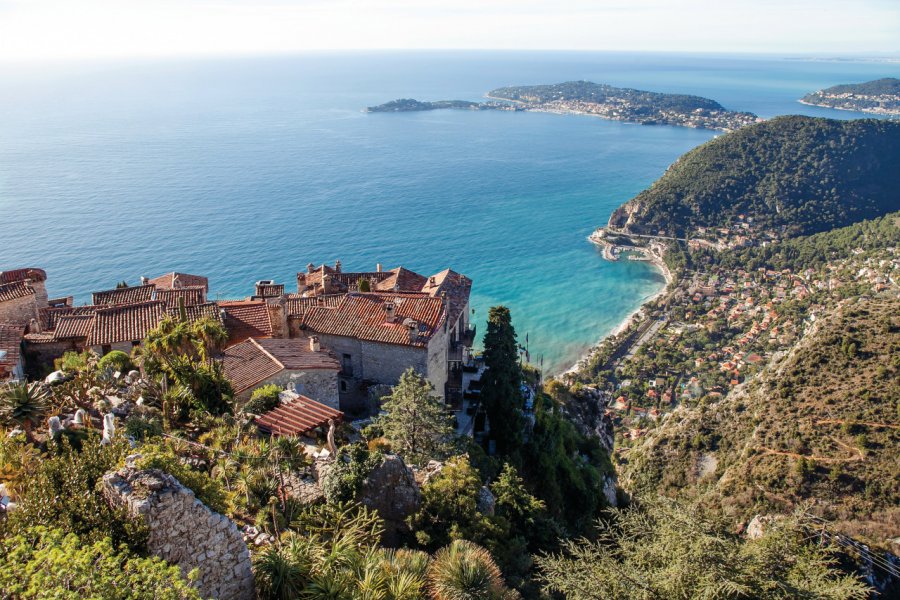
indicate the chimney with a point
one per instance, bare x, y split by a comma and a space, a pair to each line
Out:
310, 268
337, 266
326, 283
390, 311
27, 283
378, 268
144, 280
431, 281
314, 345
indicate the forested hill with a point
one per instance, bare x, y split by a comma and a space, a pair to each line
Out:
792, 175
886, 85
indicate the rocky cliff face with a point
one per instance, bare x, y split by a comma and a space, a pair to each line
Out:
391, 490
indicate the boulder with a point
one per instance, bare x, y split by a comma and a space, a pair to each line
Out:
486, 501
391, 490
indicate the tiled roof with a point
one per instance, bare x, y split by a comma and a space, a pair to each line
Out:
15, 290
50, 316
10, 345
22, 274
298, 417
125, 323
128, 295
252, 361
295, 354
196, 311
73, 326
191, 295
455, 287
363, 316
403, 280
296, 307
171, 281
245, 319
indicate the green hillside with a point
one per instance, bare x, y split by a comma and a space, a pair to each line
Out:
792, 175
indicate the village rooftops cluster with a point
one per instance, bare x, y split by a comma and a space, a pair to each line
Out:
338, 335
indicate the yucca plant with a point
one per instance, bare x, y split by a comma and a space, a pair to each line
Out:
278, 577
23, 405
466, 571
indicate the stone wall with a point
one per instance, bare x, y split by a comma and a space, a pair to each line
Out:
319, 384
184, 532
19, 310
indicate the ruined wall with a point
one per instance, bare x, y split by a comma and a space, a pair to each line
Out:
19, 310
319, 384
184, 532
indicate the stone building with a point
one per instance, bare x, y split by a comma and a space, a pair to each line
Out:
300, 365
23, 294
378, 336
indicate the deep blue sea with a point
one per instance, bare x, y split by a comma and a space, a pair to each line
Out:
250, 168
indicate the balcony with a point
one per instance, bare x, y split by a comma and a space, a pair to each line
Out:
467, 337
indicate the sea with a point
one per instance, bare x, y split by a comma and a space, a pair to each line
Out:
249, 168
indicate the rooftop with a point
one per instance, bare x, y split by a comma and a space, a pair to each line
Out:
125, 323
126, 295
172, 281
255, 360
10, 345
191, 295
245, 319
15, 290
298, 417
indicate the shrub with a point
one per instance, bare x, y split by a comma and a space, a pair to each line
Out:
48, 563
262, 400
115, 361
351, 466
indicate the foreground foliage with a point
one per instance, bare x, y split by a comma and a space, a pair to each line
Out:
663, 550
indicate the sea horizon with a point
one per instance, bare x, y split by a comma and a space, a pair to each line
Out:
249, 168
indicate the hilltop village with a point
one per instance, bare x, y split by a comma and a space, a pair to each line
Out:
338, 336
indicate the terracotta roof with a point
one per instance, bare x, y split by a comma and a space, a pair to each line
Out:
73, 326
197, 311
15, 290
453, 286
171, 281
297, 417
403, 279
125, 323
246, 318
296, 307
363, 316
50, 316
128, 295
192, 295
22, 274
10, 345
253, 361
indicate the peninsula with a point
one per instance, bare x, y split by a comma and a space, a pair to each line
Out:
880, 97
599, 100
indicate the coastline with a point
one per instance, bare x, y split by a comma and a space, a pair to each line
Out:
660, 266
856, 110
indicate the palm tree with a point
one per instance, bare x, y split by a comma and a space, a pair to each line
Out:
23, 405
466, 571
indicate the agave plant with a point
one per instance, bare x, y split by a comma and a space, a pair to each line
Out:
23, 405
466, 571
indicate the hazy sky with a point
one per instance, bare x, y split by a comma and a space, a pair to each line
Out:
40, 29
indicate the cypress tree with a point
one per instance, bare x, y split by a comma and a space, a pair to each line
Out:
501, 382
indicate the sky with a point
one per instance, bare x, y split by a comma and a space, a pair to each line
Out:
79, 29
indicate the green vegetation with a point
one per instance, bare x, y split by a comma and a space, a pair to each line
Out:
881, 96
48, 563
410, 105
661, 549
501, 382
115, 361
262, 400
415, 422
790, 175
885, 85
23, 405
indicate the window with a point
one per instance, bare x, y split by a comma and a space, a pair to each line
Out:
343, 385
347, 365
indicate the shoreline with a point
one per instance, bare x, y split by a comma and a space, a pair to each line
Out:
856, 110
625, 323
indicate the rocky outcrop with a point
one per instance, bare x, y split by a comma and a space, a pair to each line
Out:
184, 532
391, 490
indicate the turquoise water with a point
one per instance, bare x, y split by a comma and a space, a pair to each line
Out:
246, 169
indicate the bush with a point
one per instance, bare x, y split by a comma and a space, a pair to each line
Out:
351, 466
115, 361
48, 563
262, 400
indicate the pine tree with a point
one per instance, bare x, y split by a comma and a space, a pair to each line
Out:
415, 421
501, 382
